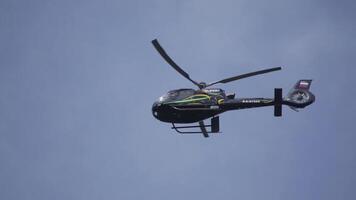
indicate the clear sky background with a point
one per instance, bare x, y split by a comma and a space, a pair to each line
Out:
78, 78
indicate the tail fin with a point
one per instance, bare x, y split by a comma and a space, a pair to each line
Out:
300, 96
302, 85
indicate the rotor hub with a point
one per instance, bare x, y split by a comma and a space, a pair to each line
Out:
202, 85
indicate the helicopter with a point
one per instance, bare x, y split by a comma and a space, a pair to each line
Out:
187, 106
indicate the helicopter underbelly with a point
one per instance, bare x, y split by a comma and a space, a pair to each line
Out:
180, 114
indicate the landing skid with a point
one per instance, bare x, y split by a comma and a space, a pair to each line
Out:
214, 127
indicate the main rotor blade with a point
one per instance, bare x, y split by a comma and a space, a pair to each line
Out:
171, 62
234, 78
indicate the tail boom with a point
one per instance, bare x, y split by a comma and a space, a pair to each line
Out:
298, 97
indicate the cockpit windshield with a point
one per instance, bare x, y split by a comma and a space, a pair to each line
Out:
175, 95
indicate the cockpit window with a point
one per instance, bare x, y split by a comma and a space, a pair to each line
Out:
175, 95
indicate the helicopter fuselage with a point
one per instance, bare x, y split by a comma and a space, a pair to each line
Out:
189, 106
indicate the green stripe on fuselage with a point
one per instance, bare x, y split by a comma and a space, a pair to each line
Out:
190, 100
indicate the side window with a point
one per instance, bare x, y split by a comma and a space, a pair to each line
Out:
185, 93
198, 97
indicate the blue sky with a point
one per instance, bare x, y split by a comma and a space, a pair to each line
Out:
78, 78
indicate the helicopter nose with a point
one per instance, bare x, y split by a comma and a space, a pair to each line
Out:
155, 108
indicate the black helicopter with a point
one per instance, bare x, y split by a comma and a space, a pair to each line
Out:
190, 106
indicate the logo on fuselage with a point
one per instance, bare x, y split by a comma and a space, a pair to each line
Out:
214, 107
212, 90
251, 101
